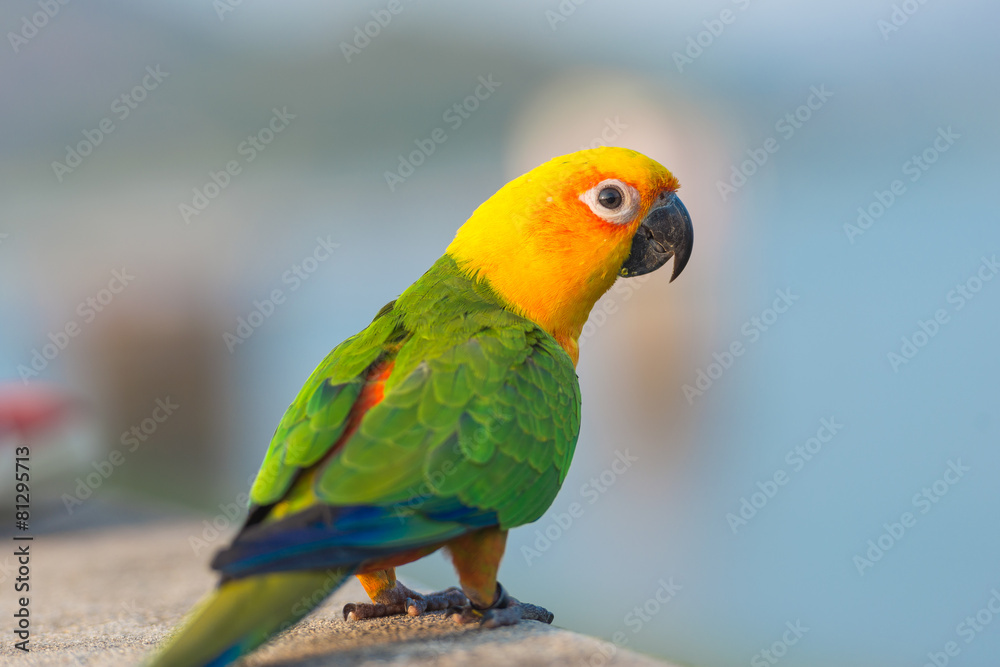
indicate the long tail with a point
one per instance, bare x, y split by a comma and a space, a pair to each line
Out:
242, 614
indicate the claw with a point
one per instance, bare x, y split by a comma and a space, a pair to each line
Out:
505, 610
402, 600
362, 610
415, 607
466, 615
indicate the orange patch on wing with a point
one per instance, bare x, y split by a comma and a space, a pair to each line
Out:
371, 395
373, 391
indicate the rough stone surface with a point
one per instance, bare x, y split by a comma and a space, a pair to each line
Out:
109, 597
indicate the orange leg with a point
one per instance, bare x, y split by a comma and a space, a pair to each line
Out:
476, 557
377, 584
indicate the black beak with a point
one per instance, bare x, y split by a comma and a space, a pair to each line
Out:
665, 232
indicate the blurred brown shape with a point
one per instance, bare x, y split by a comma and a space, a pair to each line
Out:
162, 375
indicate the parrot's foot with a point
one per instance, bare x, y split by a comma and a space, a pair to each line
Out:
402, 600
506, 610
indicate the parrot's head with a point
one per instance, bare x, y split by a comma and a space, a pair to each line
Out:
552, 241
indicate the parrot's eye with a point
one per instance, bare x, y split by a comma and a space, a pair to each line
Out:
610, 198
613, 201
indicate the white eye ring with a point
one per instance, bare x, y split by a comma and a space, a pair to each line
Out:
621, 215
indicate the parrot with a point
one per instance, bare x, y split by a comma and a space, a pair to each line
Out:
449, 420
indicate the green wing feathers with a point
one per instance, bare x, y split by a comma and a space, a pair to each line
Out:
480, 406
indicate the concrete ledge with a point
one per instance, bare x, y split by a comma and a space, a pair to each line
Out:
109, 597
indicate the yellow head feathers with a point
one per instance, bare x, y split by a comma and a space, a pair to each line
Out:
552, 241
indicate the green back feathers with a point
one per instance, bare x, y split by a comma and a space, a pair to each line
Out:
481, 406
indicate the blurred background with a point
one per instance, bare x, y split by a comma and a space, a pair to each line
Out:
200, 199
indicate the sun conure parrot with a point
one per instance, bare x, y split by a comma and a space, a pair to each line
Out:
450, 419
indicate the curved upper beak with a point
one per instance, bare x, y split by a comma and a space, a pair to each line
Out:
665, 232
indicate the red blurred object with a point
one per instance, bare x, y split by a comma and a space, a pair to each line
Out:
26, 409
